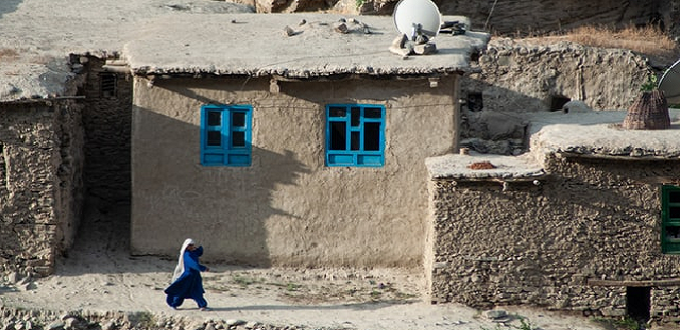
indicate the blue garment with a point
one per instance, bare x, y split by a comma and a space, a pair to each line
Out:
190, 284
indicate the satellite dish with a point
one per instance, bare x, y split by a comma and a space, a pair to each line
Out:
414, 18
670, 83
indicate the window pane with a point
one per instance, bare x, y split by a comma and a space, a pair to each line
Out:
672, 232
238, 139
238, 119
372, 136
356, 116
336, 112
214, 118
372, 112
355, 141
338, 135
214, 138
674, 197
674, 212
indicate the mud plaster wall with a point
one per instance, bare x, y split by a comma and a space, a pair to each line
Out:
525, 77
288, 208
541, 244
41, 167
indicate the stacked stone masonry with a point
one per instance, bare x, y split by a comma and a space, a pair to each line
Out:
547, 245
41, 187
525, 77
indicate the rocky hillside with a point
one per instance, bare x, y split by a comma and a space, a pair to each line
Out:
509, 17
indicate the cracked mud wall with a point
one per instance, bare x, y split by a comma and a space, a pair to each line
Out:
288, 208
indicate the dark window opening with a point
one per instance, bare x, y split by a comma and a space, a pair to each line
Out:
670, 219
336, 112
474, 102
674, 213
108, 84
356, 116
372, 112
214, 118
355, 140
638, 303
557, 102
372, 136
238, 119
474, 57
674, 197
337, 136
238, 139
214, 138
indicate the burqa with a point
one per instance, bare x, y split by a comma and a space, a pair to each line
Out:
187, 282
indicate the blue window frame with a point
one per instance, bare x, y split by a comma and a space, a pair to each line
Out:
226, 133
355, 135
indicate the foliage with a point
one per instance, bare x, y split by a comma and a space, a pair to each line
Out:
243, 280
651, 84
625, 323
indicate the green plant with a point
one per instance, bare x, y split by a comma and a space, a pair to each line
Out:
625, 323
243, 281
359, 3
525, 324
375, 294
293, 287
651, 84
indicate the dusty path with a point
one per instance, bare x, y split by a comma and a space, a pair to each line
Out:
99, 275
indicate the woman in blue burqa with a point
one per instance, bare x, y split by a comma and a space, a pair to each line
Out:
186, 280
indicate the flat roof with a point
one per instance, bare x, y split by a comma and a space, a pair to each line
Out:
171, 36
256, 45
593, 134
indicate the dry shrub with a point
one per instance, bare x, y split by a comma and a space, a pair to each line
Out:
647, 40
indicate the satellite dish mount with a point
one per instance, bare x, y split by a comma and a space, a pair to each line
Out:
418, 21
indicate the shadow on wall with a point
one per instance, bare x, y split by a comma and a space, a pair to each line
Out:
224, 208
486, 127
8, 6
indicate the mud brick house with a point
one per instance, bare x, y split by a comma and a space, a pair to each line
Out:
587, 221
304, 148
277, 140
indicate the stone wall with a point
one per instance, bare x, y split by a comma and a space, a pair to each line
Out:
520, 77
517, 76
546, 243
40, 182
107, 123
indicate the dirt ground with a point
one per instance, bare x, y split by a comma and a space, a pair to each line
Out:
99, 275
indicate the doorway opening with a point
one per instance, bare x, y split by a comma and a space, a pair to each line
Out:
638, 303
557, 102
